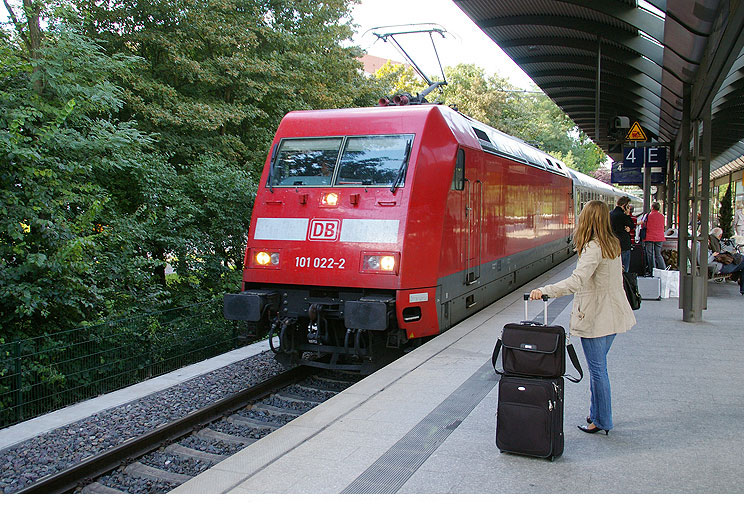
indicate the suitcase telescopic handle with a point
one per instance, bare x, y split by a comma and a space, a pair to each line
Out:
545, 311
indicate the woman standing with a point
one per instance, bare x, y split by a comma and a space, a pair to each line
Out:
600, 307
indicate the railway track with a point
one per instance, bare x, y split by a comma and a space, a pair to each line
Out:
161, 460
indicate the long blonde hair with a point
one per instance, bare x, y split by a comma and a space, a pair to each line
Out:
594, 223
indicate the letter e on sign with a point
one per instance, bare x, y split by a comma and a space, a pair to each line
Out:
324, 230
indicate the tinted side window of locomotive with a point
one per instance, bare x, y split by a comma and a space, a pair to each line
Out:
374, 160
305, 161
458, 179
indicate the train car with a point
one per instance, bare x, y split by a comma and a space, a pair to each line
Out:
587, 188
376, 228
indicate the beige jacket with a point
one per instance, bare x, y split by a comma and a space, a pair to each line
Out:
600, 306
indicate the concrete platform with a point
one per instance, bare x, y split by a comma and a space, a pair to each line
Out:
426, 423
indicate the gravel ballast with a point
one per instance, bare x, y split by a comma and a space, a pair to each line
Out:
32, 459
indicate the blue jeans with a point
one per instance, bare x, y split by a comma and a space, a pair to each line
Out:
595, 351
653, 256
625, 258
732, 268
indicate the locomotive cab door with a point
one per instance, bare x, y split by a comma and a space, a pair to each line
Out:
474, 225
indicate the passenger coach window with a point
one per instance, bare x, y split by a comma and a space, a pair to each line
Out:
305, 161
458, 179
374, 160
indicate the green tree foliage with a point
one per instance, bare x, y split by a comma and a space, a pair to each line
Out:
473, 93
726, 213
56, 146
143, 149
216, 77
395, 78
492, 100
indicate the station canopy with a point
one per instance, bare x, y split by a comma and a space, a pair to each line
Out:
640, 53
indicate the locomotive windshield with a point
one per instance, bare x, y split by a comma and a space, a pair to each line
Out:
365, 160
306, 161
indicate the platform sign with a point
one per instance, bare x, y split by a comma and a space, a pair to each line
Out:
636, 157
635, 133
633, 157
621, 175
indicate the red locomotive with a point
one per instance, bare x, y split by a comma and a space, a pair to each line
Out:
376, 228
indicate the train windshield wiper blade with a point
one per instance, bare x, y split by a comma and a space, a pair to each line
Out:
403, 167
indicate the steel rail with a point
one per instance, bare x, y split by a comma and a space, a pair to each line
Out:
94, 466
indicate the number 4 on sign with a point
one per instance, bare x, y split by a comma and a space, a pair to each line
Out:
633, 157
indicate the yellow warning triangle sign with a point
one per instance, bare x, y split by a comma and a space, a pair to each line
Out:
635, 133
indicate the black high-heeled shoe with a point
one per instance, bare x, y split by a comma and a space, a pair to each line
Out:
595, 429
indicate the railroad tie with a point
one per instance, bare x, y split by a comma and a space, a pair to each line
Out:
252, 423
139, 470
210, 434
274, 410
295, 399
99, 489
204, 456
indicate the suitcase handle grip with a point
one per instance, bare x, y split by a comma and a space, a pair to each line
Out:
545, 311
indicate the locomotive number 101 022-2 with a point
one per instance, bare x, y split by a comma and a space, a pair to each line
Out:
320, 262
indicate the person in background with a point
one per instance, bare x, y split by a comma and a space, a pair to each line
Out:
600, 307
739, 220
634, 219
621, 226
654, 238
727, 262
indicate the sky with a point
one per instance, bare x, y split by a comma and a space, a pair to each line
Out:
466, 43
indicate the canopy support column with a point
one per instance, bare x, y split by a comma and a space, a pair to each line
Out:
694, 202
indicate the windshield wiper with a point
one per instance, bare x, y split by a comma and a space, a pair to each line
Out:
403, 167
271, 168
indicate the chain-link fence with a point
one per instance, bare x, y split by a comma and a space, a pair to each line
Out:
47, 373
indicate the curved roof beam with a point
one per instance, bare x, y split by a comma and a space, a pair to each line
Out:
638, 64
642, 118
609, 90
641, 20
643, 46
731, 154
628, 103
620, 54
649, 88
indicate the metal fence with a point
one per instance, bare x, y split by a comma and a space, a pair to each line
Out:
47, 373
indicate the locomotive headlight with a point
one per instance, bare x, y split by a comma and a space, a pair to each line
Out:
329, 200
380, 263
266, 259
387, 263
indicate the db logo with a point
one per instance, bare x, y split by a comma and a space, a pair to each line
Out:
324, 229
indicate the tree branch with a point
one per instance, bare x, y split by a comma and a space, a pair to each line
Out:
18, 26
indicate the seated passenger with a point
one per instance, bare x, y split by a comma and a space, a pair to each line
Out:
724, 262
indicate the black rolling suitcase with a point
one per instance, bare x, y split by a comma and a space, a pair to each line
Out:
529, 419
637, 260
